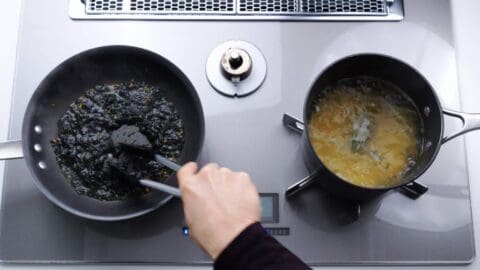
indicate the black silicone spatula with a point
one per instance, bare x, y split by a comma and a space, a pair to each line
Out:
144, 182
131, 139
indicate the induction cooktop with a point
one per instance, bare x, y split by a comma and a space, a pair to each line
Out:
245, 132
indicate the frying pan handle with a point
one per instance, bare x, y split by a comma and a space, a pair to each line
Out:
11, 150
293, 123
471, 121
300, 185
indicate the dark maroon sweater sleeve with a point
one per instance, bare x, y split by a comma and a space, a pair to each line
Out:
255, 249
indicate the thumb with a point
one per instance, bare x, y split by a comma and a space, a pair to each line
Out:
187, 170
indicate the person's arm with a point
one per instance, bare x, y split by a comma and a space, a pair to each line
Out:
222, 210
255, 249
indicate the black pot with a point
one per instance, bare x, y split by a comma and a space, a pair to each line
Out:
415, 86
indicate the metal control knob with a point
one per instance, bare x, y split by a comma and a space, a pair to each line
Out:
230, 69
236, 64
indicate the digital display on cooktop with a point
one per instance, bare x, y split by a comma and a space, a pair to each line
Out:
269, 207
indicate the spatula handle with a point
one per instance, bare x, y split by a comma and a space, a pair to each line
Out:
167, 163
161, 187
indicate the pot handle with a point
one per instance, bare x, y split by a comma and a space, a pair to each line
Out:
302, 184
471, 121
293, 123
11, 150
414, 190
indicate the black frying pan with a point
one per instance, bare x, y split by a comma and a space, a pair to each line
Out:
65, 84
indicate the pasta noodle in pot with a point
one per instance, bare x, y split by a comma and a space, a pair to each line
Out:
366, 131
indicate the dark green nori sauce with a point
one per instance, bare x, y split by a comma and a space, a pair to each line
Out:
84, 138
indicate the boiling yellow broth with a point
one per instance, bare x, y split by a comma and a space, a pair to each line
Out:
392, 145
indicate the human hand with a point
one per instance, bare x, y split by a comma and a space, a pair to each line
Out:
218, 204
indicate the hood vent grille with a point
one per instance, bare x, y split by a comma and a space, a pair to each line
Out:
239, 9
183, 6
104, 6
267, 6
346, 7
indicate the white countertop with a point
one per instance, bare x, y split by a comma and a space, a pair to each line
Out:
467, 39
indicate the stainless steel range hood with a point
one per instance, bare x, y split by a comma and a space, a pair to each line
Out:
276, 10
